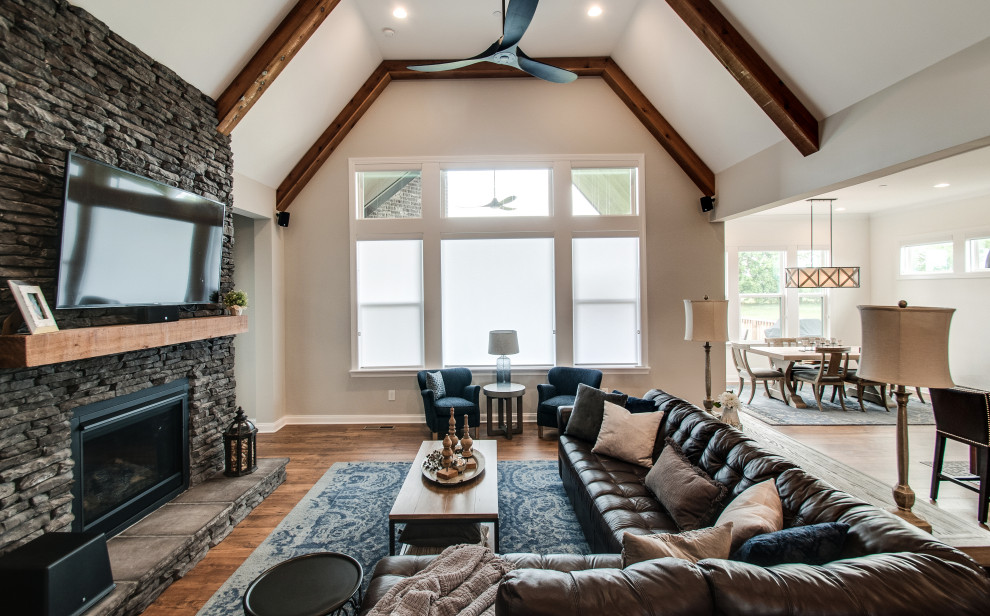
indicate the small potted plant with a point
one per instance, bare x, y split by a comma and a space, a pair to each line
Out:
235, 302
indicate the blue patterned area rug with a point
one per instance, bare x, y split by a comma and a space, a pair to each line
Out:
776, 413
347, 511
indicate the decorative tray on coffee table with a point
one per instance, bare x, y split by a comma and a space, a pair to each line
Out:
464, 477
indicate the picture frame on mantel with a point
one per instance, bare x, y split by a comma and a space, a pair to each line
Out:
31, 302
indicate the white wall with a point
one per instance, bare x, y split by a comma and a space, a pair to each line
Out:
933, 114
258, 265
485, 117
969, 335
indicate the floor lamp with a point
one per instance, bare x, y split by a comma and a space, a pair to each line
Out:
908, 347
706, 321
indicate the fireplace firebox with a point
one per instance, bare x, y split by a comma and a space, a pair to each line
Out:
131, 455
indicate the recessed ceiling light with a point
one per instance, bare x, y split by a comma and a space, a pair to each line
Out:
941, 185
400, 13
595, 11
840, 209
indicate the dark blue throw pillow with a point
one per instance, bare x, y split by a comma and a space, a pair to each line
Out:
815, 544
638, 405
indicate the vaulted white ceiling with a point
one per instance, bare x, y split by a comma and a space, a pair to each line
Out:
831, 53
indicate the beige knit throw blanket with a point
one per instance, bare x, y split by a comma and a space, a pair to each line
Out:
461, 581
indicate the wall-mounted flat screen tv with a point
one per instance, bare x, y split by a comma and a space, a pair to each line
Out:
128, 240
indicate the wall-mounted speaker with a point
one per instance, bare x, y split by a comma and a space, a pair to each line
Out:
707, 204
282, 218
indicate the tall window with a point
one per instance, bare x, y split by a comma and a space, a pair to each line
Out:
812, 302
606, 301
497, 284
446, 249
931, 258
390, 303
761, 297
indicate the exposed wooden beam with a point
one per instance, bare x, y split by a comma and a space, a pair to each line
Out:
319, 152
751, 71
269, 61
390, 70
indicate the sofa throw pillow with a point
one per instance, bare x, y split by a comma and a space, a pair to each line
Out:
589, 408
692, 545
755, 511
688, 494
638, 405
434, 381
815, 544
628, 436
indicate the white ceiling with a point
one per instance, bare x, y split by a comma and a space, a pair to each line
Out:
832, 53
967, 176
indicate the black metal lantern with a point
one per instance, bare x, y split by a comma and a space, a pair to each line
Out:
239, 447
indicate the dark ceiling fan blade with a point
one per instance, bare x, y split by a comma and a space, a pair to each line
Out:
517, 18
446, 66
543, 71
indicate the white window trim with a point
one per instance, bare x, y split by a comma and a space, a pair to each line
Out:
560, 225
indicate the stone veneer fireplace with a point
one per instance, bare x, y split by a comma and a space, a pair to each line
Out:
69, 83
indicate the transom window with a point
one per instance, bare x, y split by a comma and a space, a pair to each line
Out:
445, 250
929, 258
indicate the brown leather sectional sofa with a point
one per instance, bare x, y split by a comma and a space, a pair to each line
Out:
888, 566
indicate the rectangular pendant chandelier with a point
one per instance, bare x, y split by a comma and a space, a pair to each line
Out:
821, 277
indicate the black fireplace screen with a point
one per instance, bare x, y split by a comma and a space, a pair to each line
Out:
132, 456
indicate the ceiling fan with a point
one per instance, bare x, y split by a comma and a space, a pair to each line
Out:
506, 49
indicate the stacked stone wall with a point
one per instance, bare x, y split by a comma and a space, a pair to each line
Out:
68, 83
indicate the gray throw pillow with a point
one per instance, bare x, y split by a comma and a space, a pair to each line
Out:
434, 381
688, 494
589, 409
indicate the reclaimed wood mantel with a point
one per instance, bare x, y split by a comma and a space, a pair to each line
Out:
28, 350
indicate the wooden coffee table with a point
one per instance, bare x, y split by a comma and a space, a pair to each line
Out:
422, 500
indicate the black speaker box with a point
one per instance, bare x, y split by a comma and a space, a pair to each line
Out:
158, 314
282, 218
707, 204
57, 574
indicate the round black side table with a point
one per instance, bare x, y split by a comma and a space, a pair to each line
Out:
315, 584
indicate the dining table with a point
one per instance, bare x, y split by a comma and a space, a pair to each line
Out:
785, 359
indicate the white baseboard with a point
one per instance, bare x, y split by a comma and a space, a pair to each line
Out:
373, 420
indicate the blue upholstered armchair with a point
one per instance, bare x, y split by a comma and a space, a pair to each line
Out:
560, 391
460, 394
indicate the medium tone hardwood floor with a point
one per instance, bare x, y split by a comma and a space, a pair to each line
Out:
313, 449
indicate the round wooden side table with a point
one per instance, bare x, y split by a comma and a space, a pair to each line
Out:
315, 584
505, 393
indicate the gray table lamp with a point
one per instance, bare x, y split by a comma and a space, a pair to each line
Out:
503, 342
907, 347
706, 321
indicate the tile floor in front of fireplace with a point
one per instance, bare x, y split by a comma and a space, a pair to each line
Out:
165, 545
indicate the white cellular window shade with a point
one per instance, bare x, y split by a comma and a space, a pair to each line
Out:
606, 301
390, 303
474, 193
497, 284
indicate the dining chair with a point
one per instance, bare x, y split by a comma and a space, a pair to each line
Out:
851, 376
963, 414
754, 376
830, 372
